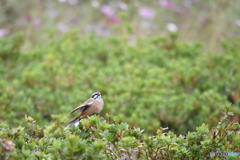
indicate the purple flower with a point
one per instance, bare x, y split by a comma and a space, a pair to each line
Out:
107, 11
3, 32
146, 13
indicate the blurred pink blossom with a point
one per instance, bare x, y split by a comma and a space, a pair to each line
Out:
9, 145
37, 23
74, 20
3, 32
107, 11
114, 20
146, 13
27, 18
165, 3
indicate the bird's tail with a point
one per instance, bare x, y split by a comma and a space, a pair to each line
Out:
75, 121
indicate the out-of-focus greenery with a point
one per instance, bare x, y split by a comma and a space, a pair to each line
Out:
98, 138
157, 82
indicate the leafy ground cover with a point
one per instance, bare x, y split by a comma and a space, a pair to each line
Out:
148, 83
98, 138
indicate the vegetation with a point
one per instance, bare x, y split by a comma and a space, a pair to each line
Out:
98, 138
146, 85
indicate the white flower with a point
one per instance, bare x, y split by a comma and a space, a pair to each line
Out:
95, 4
237, 22
62, 27
73, 2
171, 27
123, 5
61, 1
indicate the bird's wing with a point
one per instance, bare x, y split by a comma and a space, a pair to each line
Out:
83, 106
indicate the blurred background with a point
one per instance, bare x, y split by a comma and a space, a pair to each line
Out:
205, 21
170, 63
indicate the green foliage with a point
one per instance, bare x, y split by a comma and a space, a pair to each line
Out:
98, 138
152, 84
156, 82
9, 48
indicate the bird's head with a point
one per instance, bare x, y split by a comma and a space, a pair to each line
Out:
96, 95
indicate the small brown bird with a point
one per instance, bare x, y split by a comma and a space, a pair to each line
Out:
91, 106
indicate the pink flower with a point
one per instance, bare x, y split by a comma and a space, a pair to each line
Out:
74, 20
9, 145
3, 32
37, 23
27, 18
146, 13
115, 20
107, 11
164, 3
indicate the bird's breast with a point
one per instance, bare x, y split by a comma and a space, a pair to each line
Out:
100, 106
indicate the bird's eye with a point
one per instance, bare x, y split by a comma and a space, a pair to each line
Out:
95, 96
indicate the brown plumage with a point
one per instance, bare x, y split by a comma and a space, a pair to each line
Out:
91, 106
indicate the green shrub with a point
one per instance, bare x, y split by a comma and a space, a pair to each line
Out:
10, 48
98, 138
157, 82
154, 84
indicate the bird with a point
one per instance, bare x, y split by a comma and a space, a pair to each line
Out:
91, 106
